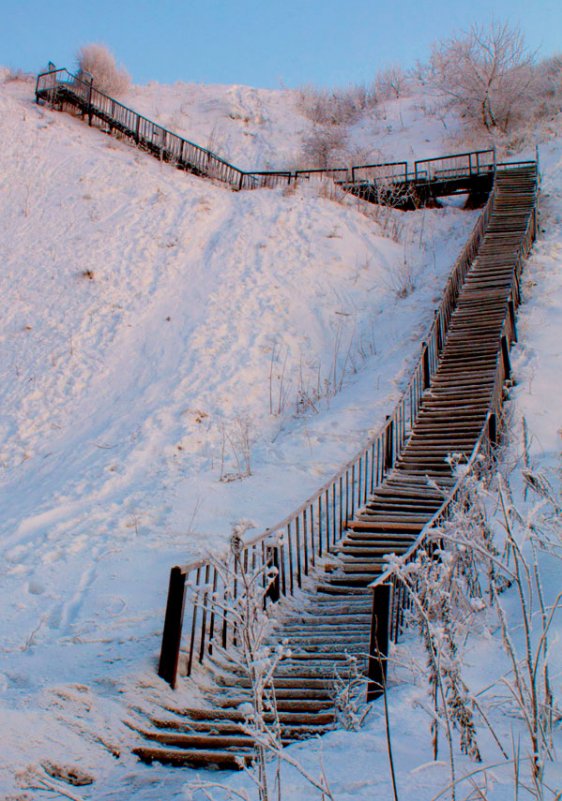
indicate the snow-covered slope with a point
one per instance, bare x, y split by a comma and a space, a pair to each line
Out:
159, 331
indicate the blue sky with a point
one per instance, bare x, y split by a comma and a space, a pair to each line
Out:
260, 43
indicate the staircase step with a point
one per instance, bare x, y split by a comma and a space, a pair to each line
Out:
222, 760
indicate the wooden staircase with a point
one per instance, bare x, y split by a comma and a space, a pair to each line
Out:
333, 620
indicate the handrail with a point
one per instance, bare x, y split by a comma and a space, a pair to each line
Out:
390, 597
57, 85
311, 531
475, 162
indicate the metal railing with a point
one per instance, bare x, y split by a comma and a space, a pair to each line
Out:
62, 86
457, 165
390, 596
295, 545
58, 87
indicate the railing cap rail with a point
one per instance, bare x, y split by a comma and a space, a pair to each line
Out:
456, 155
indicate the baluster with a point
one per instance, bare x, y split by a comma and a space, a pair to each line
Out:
350, 516
213, 608
340, 513
193, 621
204, 615
224, 594
290, 549
320, 521
305, 540
283, 568
312, 538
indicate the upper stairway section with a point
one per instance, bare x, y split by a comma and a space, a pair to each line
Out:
399, 184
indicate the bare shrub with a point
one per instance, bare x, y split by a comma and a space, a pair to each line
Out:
391, 83
18, 76
99, 61
548, 87
236, 449
458, 583
325, 147
486, 74
335, 107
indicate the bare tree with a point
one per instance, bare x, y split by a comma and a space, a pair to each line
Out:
486, 73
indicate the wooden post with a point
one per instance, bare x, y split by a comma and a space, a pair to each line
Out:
378, 646
505, 357
493, 430
425, 360
173, 622
388, 444
511, 311
274, 590
90, 114
438, 332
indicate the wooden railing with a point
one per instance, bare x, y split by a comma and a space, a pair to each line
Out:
295, 545
60, 86
390, 596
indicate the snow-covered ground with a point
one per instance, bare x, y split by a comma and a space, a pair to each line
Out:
152, 322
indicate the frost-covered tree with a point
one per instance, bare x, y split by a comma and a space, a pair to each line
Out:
486, 73
99, 62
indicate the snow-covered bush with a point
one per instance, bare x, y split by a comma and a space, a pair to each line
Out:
481, 569
98, 60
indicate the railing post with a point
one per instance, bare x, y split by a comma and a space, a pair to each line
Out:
274, 590
426, 370
505, 358
493, 430
378, 646
511, 312
438, 332
90, 114
388, 444
173, 622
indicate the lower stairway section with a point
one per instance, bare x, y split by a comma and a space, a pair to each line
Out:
328, 635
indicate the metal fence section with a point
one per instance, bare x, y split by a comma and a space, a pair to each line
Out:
455, 166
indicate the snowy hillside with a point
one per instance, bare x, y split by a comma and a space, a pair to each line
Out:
163, 337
